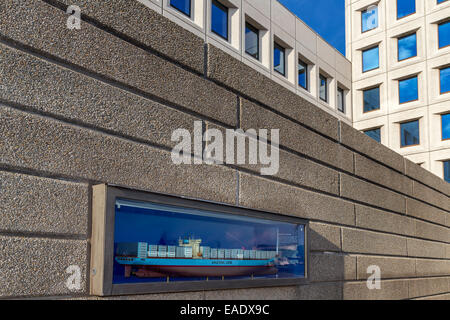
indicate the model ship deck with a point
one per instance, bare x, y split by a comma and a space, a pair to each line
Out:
189, 259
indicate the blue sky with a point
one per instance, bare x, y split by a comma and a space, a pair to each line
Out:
326, 17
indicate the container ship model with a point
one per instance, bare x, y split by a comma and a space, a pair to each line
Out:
190, 259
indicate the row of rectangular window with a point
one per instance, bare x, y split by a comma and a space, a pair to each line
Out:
408, 90
406, 48
369, 16
220, 27
410, 132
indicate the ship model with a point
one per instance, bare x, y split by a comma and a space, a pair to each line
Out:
190, 259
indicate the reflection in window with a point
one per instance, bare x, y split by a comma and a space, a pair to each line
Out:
444, 34
440, 1
155, 243
370, 59
369, 18
323, 88
447, 170
444, 80
340, 100
252, 41
405, 8
371, 99
219, 19
407, 47
303, 74
184, 6
408, 90
445, 125
375, 134
409, 133
279, 59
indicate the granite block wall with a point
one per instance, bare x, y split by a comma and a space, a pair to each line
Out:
99, 104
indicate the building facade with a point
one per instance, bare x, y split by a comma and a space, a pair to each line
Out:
272, 40
400, 52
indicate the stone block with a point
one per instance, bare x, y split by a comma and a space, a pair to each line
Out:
323, 237
382, 175
370, 218
147, 27
390, 267
366, 192
37, 267
361, 241
366, 145
41, 205
296, 137
275, 197
331, 267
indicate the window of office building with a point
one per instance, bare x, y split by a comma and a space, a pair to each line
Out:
375, 134
251, 41
447, 171
279, 59
219, 19
184, 6
341, 100
371, 99
303, 74
445, 124
369, 18
405, 8
441, 1
323, 88
444, 80
409, 132
370, 59
444, 34
407, 47
408, 90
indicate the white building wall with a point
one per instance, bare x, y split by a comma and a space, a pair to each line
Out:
275, 23
432, 150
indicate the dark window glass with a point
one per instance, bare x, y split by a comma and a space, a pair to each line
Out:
369, 18
440, 1
219, 19
447, 170
405, 8
371, 99
184, 6
162, 244
444, 80
279, 59
340, 100
407, 90
375, 134
252, 41
303, 75
444, 34
445, 124
409, 133
370, 59
407, 47
323, 88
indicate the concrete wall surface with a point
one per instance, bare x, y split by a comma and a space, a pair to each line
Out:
99, 104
